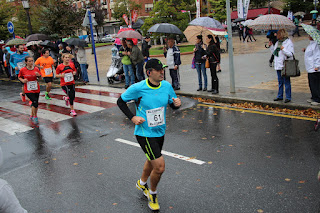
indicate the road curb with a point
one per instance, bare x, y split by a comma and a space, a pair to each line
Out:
227, 99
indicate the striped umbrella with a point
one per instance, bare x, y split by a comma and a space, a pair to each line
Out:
272, 22
313, 32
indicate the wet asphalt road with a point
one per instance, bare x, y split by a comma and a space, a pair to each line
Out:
254, 163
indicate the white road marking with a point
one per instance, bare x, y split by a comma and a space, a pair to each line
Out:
44, 114
180, 157
77, 106
12, 127
89, 96
104, 89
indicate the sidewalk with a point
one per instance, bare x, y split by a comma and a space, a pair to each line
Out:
255, 81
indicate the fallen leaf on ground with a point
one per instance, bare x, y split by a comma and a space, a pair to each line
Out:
210, 162
240, 163
100, 173
218, 186
46, 162
259, 187
81, 132
230, 145
184, 130
213, 136
170, 207
105, 158
260, 210
268, 156
97, 130
75, 164
59, 193
218, 151
54, 158
204, 138
198, 179
302, 181
115, 204
280, 193
287, 179
91, 151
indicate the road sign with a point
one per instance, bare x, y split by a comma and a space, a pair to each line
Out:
10, 27
86, 22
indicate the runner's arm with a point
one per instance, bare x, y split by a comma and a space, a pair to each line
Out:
124, 108
173, 106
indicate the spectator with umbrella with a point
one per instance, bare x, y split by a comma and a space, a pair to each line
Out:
145, 48
82, 59
137, 59
200, 61
312, 63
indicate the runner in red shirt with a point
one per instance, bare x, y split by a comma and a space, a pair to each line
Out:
29, 75
65, 72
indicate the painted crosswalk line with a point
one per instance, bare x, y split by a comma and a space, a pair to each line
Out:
14, 115
12, 127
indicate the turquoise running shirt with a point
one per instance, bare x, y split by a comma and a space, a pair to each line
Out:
151, 104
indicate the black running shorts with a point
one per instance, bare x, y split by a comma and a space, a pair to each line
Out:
151, 146
48, 79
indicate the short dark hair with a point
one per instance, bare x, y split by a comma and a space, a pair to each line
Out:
18, 45
26, 58
130, 42
44, 51
147, 36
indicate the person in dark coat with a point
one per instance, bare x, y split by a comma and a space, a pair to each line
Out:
214, 59
145, 48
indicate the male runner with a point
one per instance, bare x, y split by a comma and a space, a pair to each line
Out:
151, 97
45, 63
17, 61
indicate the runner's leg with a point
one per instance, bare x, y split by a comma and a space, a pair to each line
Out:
158, 167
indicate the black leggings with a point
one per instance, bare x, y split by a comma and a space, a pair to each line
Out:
34, 98
70, 91
214, 77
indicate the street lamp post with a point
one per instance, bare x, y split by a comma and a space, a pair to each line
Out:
26, 6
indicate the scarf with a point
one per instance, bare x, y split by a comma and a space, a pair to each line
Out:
277, 50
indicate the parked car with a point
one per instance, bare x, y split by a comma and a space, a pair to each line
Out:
107, 38
96, 38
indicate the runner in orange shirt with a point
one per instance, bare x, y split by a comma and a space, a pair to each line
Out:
45, 64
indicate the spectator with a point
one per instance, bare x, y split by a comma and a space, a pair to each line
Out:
314, 19
217, 43
272, 36
136, 59
213, 55
8, 200
172, 54
82, 59
200, 61
296, 23
240, 32
61, 50
312, 63
282, 50
127, 64
6, 58
1, 62
250, 34
145, 48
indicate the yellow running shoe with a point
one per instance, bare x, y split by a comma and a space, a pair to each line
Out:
143, 188
153, 202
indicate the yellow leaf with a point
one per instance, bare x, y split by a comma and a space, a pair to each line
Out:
268, 156
75, 164
260, 210
287, 179
59, 193
204, 138
81, 132
302, 181
259, 187
46, 162
54, 158
230, 145
91, 151
100, 173
210, 162
97, 130
115, 204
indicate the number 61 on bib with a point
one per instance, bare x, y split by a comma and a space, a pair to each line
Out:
155, 117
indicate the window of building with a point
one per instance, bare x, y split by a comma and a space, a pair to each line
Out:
148, 7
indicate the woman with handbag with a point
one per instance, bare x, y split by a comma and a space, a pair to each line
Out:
282, 50
214, 58
200, 62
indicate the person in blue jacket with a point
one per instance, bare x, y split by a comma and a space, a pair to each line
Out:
17, 61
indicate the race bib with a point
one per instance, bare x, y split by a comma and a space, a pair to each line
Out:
68, 77
32, 85
48, 71
155, 117
20, 65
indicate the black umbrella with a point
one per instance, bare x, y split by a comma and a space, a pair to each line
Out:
239, 20
47, 44
138, 24
37, 37
165, 28
76, 42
